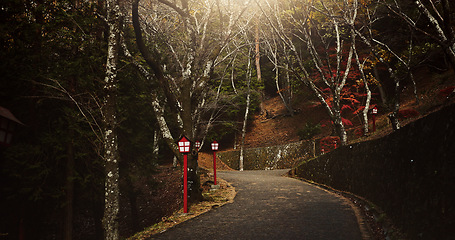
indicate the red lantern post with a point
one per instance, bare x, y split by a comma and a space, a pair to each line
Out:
374, 112
197, 145
214, 149
184, 147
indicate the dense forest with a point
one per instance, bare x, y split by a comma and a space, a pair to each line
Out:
104, 89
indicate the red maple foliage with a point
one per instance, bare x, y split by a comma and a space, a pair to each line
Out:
329, 143
346, 122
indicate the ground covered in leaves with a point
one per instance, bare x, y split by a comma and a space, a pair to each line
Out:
212, 199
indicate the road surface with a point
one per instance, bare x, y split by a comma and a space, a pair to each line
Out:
270, 206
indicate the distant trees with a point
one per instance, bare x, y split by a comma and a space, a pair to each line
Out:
332, 46
434, 20
402, 46
321, 48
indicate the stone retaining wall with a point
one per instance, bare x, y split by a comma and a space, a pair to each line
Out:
410, 174
275, 157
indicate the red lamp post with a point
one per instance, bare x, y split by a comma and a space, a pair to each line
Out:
214, 149
374, 112
197, 145
184, 147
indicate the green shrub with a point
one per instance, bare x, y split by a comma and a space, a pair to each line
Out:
309, 131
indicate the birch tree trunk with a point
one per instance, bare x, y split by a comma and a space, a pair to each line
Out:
367, 107
111, 155
395, 107
338, 122
245, 119
365, 82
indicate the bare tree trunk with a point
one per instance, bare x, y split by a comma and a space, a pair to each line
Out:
395, 102
232, 75
175, 162
245, 119
165, 131
242, 144
395, 108
111, 155
338, 122
258, 64
156, 146
288, 88
414, 87
257, 53
366, 109
365, 82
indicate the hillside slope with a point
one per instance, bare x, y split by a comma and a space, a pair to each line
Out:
274, 126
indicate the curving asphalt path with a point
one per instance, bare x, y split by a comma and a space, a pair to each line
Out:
269, 206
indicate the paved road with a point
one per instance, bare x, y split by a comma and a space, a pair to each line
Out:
269, 206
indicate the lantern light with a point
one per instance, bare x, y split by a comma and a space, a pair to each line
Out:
214, 149
215, 145
197, 144
374, 110
184, 145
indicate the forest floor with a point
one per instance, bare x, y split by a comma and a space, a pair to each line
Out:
212, 199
